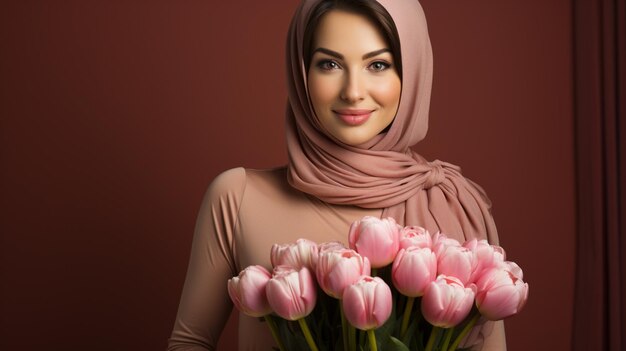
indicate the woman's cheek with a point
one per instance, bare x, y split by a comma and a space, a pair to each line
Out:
325, 89
387, 92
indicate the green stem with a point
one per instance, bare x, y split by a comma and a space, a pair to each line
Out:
433, 337
352, 338
446, 338
465, 331
274, 329
407, 315
307, 334
372, 338
344, 328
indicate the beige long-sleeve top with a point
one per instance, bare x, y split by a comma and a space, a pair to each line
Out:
243, 214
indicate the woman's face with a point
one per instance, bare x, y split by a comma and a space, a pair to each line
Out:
353, 86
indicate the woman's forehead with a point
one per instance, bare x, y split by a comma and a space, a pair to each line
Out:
340, 30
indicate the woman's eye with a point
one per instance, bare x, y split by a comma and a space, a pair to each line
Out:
379, 66
327, 65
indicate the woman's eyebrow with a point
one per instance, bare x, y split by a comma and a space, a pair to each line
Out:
329, 52
375, 53
340, 56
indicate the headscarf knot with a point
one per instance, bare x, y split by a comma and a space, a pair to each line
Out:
435, 176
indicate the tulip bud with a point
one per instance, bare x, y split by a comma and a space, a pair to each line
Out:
367, 303
248, 291
500, 293
415, 236
486, 256
302, 253
446, 302
513, 268
340, 268
291, 293
376, 239
413, 269
456, 261
330, 246
441, 241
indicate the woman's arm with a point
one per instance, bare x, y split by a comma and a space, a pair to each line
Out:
205, 305
496, 340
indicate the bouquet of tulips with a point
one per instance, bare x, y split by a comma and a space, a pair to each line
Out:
394, 288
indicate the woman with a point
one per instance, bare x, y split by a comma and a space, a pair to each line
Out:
359, 75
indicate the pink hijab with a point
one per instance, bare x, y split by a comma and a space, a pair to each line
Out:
384, 172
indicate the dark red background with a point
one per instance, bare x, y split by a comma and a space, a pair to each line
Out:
116, 115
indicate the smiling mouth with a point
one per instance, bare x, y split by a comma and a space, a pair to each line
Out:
353, 117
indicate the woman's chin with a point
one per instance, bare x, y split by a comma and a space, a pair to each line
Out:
355, 138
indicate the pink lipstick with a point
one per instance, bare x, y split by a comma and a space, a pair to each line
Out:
353, 117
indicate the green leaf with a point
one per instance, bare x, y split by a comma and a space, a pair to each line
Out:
394, 344
410, 332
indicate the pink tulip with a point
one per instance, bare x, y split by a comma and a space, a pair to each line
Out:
302, 253
513, 268
248, 291
376, 239
441, 241
486, 256
340, 268
456, 261
413, 269
415, 236
367, 303
446, 302
483, 248
500, 294
330, 246
291, 293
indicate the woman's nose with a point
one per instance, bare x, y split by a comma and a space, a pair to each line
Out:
353, 89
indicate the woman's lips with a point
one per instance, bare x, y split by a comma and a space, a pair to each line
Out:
353, 117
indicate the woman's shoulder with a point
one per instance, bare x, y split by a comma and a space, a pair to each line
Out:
229, 182
270, 178
249, 194
235, 181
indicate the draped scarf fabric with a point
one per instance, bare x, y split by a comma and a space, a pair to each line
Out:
383, 172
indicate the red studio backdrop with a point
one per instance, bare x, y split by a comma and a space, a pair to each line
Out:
116, 115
